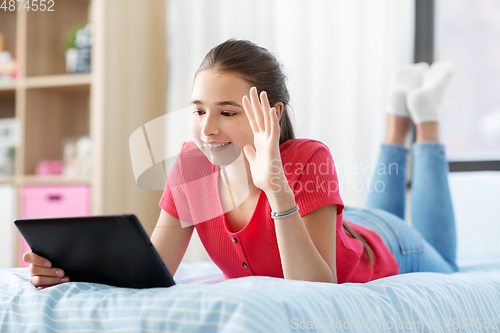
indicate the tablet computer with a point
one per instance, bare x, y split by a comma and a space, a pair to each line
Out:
107, 249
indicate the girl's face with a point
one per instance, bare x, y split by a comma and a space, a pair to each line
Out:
217, 116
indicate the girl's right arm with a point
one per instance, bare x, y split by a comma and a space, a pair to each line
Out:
171, 240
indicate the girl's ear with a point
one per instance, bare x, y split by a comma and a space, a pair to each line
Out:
279, 108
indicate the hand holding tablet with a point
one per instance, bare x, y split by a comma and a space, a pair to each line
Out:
109, 249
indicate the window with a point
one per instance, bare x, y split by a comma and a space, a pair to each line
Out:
467, 33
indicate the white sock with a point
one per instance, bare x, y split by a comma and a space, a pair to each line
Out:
408, 78
424, 102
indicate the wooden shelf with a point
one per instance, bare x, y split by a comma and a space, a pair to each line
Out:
7, 179
64, 114
52, 180
48, 81
7, 103
52, 106
11, 86
44, 180
46, 36
66, 80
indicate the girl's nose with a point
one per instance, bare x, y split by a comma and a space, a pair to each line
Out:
210, 127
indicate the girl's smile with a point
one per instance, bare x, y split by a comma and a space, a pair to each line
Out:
218, 147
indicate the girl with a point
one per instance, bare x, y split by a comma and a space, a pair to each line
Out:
291, 222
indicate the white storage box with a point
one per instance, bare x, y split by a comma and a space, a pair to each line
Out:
8, 231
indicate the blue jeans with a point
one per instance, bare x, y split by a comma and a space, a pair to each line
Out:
430, 245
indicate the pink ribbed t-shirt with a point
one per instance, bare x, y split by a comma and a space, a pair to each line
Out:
191, 195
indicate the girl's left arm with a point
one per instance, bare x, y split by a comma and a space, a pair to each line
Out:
306, 244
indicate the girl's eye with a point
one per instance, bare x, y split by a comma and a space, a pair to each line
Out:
225, 113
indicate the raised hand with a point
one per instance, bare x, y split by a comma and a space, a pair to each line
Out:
265, 159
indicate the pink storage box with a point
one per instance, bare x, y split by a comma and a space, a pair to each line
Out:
54, 201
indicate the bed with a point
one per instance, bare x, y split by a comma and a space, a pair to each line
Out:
467, 301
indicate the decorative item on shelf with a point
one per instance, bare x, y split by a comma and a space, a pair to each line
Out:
78, 49
8, 143
7, 62
49, 167
77, 155
7, 157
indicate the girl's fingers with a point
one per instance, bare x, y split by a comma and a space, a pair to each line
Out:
41, 281
257, 108
259, 112
42, 271
32, 258
266, 110
250, 114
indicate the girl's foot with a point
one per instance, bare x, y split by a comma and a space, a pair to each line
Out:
424, 102
405, 80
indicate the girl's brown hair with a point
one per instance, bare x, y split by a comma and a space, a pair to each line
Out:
261, 69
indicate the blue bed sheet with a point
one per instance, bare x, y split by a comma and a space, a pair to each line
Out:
416, 302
